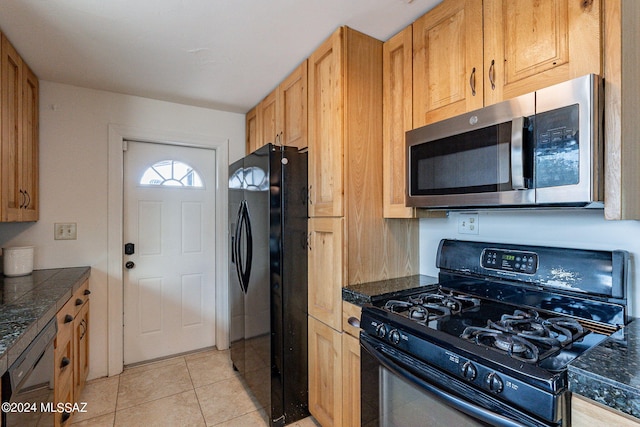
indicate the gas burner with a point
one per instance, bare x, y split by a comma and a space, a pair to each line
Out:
428, 306
525, 336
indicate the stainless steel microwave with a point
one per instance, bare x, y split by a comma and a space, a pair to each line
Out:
540, 149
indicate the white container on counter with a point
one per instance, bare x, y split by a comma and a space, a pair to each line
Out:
18, 261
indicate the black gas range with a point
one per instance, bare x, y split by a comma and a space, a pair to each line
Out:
494, 337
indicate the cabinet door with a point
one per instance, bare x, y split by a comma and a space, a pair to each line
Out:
586, 413
350, 381
325, 374
292, 108
267, 123
81, 350
326, 184
397, 118
447, 67
252, 134
30, 145
531, 45
11, 104
326, 270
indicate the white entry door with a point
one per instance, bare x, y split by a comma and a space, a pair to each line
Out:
169, 278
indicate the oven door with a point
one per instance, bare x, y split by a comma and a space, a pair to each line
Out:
399, 391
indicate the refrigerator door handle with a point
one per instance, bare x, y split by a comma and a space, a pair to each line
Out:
246, 271
235, 242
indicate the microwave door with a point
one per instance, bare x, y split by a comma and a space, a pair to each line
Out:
568, 143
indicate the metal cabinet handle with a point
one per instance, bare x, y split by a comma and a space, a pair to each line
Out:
79, 301
472, 81
65, 417
68, 318
87, 291
65, 362
492, 74
354, 321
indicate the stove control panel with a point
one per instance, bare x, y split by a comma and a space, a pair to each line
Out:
507, 260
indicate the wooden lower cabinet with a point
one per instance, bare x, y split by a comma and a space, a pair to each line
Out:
325, 373
587, 413
350, 365
71, 352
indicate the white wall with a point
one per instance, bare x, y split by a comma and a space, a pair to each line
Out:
569, 228
74, 175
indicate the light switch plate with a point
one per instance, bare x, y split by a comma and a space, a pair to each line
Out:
65, 231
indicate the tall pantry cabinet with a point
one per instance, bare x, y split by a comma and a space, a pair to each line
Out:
349, 240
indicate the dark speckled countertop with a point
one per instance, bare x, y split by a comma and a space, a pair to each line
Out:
610, 373
366, 292
28, 303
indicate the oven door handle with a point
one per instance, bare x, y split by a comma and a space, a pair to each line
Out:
475, 411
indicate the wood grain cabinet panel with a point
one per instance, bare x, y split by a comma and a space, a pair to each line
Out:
19, 106
292, 109
268, 119
587, 413
71, 351
471, 53
350, 381
251, 130
326, 270
281, 117
325, 373
326, 128
447, 69
397, 118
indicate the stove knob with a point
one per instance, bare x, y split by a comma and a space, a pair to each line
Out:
381, 330
394, 336
469, 371
494, 382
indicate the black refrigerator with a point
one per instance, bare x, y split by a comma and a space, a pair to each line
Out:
268, 278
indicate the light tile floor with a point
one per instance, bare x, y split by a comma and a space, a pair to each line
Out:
199, 389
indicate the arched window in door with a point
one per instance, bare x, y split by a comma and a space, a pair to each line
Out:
171, 173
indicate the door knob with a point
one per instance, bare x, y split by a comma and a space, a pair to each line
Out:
129, 265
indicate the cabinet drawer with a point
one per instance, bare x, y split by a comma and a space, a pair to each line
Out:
65, 324
350, 310
80, 297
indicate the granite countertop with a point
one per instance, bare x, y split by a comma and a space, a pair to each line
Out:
610, 373
28, 303
383, 289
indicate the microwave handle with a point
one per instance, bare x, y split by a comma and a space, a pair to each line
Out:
517, 154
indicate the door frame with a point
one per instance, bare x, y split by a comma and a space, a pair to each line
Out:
115, 216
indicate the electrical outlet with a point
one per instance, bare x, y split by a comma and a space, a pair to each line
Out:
468, 223
65, 231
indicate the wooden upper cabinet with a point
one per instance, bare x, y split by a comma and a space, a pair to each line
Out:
292, 109
19, 137
326, 127
397, 118
281, 117
252, 133
267, 120
447, 61
30, 145
461, 65
531, 45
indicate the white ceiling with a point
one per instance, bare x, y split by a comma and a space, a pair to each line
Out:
222, 54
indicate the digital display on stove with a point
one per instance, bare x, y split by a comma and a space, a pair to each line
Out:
512, 261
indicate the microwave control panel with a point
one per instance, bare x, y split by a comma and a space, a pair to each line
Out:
506, 260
